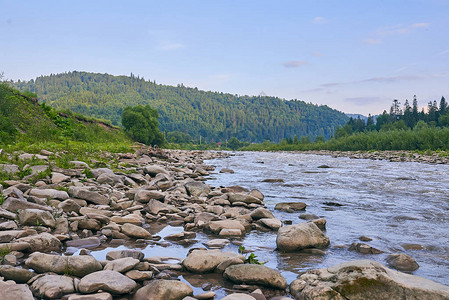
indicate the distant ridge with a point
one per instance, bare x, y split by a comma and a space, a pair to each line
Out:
211, 116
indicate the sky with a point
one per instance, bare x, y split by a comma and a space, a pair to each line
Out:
354, 56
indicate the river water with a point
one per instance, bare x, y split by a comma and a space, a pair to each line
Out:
402, 206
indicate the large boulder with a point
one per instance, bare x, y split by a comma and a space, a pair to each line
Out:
36, 217
255, 274
164, 289
364, 279
49, 194
111, 179
153, 170
261, 213
205, 261
301, 236
11, 290
79, 265
43, 242
52, 286
116, 254
14, 204
108, 281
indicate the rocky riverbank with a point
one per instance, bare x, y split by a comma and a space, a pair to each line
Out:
430, 157
82, 208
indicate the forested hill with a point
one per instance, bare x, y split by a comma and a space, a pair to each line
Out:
214, 116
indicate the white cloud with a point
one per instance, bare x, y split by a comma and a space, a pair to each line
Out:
295, 64
319, 20
420, 25
392, 31
318, 54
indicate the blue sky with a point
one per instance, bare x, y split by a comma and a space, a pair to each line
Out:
355, 56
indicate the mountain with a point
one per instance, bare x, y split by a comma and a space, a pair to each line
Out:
212, 116
22, 118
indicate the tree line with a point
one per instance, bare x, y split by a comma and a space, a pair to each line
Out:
186, 113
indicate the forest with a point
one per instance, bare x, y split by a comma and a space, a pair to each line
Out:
403, 128
186, 113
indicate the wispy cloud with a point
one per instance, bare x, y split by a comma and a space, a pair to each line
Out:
295, 63
443, 52
400, 29
318, 54
319, 20
171, 46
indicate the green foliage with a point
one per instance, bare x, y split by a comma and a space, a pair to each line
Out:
3, 252
251, 258
141, 124
2, 199
214, 116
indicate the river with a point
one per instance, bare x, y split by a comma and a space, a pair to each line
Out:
402, 206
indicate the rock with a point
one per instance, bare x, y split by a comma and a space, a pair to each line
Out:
110, 179
90, 242
217, 243
90, 196
164, 289
52, 286
9, 225
217, 226
196, 188
205, 261
139, 275
59, 177
226, 263
144, 196
49, 194
364, 238
108, 281
11, 290
206, 295
99, 171
111, 255
261, 213
121, 265
69, 205
7, 214
300, 236
321, 223
273, 224
273, 180
43, 242
97, 296
14, 204
155, 207
245, 198
226, 170
402, 262
153, 170
17, 274
79, 164
36, 217
308, 216
93, 211
255, 274
10, 169
364, 279
79, 265
131, 218
135, 231
293, 206
364, 248
230, 232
